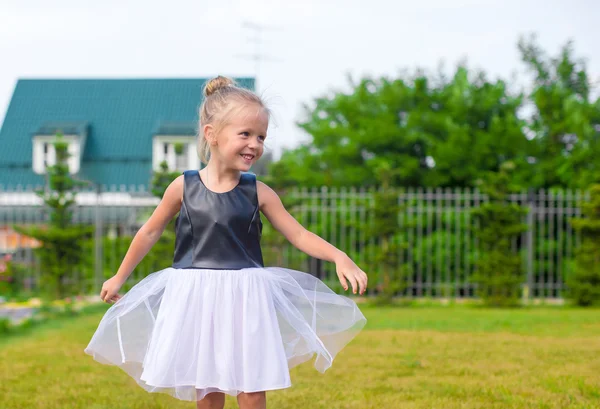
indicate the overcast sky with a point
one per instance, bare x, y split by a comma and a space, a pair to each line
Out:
314, 43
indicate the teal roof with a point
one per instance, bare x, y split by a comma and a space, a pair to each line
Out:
66, 128
176, 128
121, 116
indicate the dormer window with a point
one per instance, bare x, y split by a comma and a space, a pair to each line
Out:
49, 154
175, 143
182, 156
44, 153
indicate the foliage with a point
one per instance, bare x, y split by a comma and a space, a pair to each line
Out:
162, 178
391, 276
499, 272
114, 249
61, 240
12, 275
178, 147
584, 283
439, 131
423, 127
565, 120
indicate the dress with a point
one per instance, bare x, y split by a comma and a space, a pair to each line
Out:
217, 320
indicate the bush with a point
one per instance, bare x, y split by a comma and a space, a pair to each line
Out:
584, 283
11, 279
5, 326
499, 274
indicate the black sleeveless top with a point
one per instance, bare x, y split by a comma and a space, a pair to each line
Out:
218, 230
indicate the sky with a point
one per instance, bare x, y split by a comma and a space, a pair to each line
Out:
310, 47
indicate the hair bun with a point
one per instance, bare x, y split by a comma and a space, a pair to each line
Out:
216, 84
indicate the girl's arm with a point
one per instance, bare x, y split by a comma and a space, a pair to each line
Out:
144, 239
270, 205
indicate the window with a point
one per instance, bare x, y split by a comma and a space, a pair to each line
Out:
181, 156
177, 151
44, 155
49, 157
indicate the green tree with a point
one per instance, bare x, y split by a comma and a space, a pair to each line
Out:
446, 132
499, 272
383, 231
162, 178
584, 283
435, 131
61, 252
565, 121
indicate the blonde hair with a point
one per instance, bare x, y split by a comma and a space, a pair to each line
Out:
223, 98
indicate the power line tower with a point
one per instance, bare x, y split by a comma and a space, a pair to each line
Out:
257, 56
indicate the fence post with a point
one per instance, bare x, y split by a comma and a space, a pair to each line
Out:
98, 244
530, 243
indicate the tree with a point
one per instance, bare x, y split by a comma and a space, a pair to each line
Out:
499, 272
446, 132
584, 284
435, 131
162, 178
383, 232
565, 122
61, 252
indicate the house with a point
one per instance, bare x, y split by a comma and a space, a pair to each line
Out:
118, 130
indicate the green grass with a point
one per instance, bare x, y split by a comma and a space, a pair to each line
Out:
418, 357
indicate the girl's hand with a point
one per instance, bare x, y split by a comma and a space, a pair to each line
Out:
110, 289
347, 269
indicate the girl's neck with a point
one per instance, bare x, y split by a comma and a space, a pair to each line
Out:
218, 175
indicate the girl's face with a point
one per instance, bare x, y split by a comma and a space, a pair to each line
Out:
240, 143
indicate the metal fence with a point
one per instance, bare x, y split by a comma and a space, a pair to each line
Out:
437, 235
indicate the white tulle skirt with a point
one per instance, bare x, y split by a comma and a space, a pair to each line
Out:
190, 332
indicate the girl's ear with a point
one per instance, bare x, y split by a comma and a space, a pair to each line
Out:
209, 134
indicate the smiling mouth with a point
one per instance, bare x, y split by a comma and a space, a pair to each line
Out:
247, 157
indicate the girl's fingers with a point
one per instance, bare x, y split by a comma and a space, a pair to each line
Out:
364, 281
353, 283
108, 297
343, 281
361, 284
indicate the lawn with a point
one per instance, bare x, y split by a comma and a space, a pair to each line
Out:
417, 357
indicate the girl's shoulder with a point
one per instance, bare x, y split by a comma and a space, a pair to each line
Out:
174, 191
266, 195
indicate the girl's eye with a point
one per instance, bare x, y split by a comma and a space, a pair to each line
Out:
245, 133
262, 138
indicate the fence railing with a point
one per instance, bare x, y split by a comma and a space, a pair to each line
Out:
437, 235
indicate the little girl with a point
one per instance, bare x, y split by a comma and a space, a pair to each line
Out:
218, 321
